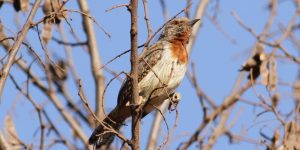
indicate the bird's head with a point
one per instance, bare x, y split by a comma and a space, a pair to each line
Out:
178, 29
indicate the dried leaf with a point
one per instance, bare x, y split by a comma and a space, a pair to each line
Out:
275, 141
292, 137
11, 132
273, 80
47, 31
24, 5
296, 88
54, 6
259, 48
264, 72
47, 9
5, 43
3, 143
275, 99
59, 71
253, 64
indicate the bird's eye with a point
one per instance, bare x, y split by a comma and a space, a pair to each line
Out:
175, 22
180, 29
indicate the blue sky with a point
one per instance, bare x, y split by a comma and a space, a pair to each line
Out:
217, 61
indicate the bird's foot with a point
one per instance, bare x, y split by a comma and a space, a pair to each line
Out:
140, 102
174, 100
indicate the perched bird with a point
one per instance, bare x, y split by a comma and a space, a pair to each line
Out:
161, 68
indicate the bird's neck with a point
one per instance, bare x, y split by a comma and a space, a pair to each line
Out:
179, 50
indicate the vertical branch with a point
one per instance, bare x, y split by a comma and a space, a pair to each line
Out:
147, 19
14, 49
94, 56
136, 114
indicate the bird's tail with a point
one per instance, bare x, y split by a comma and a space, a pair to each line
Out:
103, 134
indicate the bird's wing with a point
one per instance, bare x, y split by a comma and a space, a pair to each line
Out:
147, 60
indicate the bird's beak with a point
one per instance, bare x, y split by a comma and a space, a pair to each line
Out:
192, 22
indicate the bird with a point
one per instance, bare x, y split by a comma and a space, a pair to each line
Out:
161, 68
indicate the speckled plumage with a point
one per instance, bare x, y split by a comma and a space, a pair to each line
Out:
160, 70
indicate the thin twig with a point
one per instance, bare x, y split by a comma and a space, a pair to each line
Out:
116, 6
37, 108
29, 48
157, 31
69, 43
14, 49
164, 9
147, 18
107, 127
107, 85
52, 127
123, 53
70, 64
146, 44
54, 99
200, 93
228, 102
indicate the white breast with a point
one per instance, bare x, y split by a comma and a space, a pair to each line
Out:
166, 72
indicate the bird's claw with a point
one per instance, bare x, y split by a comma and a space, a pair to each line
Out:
174, 98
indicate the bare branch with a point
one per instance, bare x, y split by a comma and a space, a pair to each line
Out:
116, 6
14, 49
228, 102
94, 57
147, 18
37, 108
136, 110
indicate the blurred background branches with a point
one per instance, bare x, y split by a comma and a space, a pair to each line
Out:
60, 58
